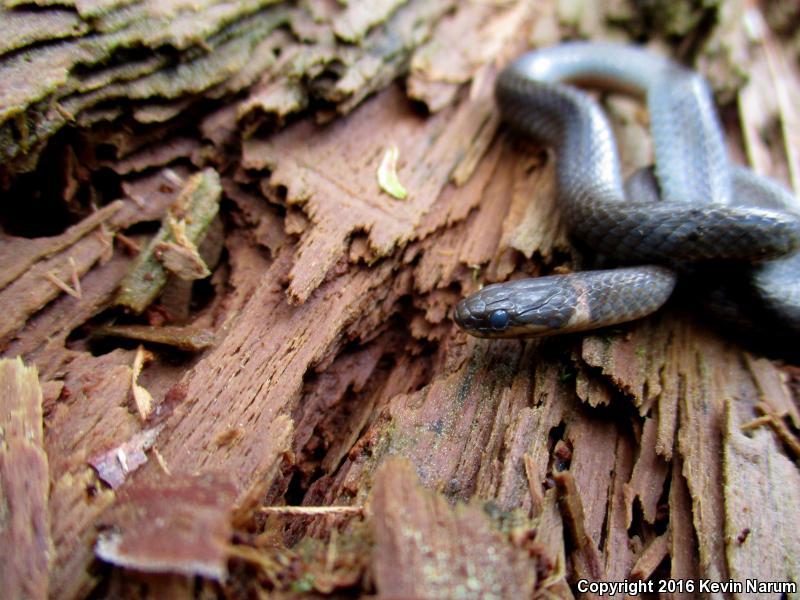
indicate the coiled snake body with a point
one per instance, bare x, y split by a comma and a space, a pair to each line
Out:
708, 209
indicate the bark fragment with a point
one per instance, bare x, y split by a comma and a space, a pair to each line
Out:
191, 339
178, 524
425, 548
759, 490
24, 486
187, 220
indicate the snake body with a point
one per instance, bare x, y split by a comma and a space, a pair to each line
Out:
701, 214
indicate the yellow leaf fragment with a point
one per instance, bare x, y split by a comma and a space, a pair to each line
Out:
142, 398
387, 174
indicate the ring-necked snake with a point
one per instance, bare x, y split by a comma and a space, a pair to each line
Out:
706, 208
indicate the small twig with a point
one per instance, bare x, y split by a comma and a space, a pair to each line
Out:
130, 245
756, 423
106, 237
76, 280
173, 177
161, 462
778, 427
534, 486
75, 289
138, 201
63, 112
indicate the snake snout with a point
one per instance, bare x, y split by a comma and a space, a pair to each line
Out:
462, 314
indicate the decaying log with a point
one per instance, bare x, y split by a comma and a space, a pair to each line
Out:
307, 419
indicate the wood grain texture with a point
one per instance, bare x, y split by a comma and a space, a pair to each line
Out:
24, 488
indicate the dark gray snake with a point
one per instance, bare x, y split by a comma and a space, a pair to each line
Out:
707, 209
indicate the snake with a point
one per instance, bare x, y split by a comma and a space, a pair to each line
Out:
706, 209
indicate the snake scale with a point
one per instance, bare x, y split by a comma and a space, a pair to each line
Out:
701, 208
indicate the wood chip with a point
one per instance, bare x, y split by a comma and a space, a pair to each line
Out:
113, 466
176, 524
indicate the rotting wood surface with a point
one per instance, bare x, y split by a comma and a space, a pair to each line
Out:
336, 377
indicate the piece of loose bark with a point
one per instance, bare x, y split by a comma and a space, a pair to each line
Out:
591, 464
648, 477
771, 384
181, 260
591, 389
587, 563
652, 556
17, 255
24, 28
761, 510
619, 549
158, 155
93, 415
113, 466
633, 362
26, 548
451, 59
425, 548
173, 524
188, 338
46, 280
42, 340
195, 208
684, 560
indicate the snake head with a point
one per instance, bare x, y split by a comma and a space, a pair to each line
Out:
521, 308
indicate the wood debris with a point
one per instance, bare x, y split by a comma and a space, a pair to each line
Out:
181, 525
191, 339
185, 224
114, 465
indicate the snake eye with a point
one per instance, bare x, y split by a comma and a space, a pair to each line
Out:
498, 319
